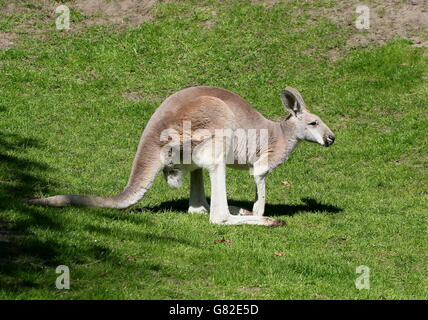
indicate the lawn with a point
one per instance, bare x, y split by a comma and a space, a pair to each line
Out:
73, 105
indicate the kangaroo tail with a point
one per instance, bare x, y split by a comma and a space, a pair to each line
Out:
142, 175
120, 201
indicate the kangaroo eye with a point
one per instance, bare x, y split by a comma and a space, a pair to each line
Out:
313, 123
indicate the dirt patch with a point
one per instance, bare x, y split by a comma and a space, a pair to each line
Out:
7, 40
132, 95
388, 19
37, 17
133, 12
266, 3
252, 290
210, 22
30, 17
129, 12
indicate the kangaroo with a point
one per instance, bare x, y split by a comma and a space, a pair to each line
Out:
206, 111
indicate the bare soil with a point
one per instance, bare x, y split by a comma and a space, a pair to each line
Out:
92, 12
7, 40
130, 12
389, 19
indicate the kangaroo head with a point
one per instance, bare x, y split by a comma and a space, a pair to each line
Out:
308, 126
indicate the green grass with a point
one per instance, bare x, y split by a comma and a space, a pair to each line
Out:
67, 125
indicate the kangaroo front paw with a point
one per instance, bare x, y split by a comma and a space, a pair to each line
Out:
200, 209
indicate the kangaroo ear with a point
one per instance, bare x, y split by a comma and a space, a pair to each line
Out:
292, 101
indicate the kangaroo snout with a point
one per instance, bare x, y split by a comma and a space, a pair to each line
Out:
329, 140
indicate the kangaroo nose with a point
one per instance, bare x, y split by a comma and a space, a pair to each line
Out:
330, 139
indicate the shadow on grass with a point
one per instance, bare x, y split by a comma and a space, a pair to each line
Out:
309, 205
137, 236
20, 177
23, 254
27, 260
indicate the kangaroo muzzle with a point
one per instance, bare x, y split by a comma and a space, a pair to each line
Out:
329, 140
